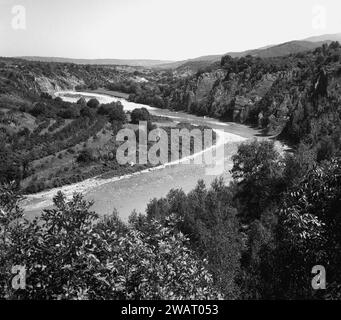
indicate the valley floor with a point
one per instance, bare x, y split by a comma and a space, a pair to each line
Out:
133, 191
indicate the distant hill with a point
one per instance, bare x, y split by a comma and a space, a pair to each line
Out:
325, 37
120, 62
279, 50
195, 61
194, 64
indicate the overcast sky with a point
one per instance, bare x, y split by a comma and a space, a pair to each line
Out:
158, 29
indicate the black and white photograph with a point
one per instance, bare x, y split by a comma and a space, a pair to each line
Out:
170, 150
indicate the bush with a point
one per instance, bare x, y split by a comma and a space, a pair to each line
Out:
141, 114
82, 102
46, 95
85, 156
87, 112
69, 113
58, 99
39, 109
93, 103
113, 110
24, 108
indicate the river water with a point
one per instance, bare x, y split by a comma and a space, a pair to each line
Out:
133, 192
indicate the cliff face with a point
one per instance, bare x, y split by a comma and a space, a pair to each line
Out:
233, 97
57, 83
22, 77
280, 94
236, 97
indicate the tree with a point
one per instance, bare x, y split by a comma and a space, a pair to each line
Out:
70, 112
207, 218
46, 95
138, 115
87, 112
93, 103
258, 173
39, 109
309, 233
253, 159
114, 111
10, 168
58, 99
82, 102
297, 165
10, 226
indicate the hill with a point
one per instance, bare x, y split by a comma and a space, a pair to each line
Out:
118, 62
194, 64
325, 37
279, 50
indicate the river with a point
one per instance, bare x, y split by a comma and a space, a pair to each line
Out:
133, 192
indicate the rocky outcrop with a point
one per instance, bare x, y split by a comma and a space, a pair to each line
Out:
230, 96
272, 94
51, 85
22, 77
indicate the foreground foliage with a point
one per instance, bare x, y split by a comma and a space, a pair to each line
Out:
70, 254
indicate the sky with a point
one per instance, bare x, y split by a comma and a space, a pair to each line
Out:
157, 29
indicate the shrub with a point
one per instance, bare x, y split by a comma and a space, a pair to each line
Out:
85, 156
58, 99
93, 103
46, 95
87, 112
82, 102
113, 110
69, 113
39, 109
141, 114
